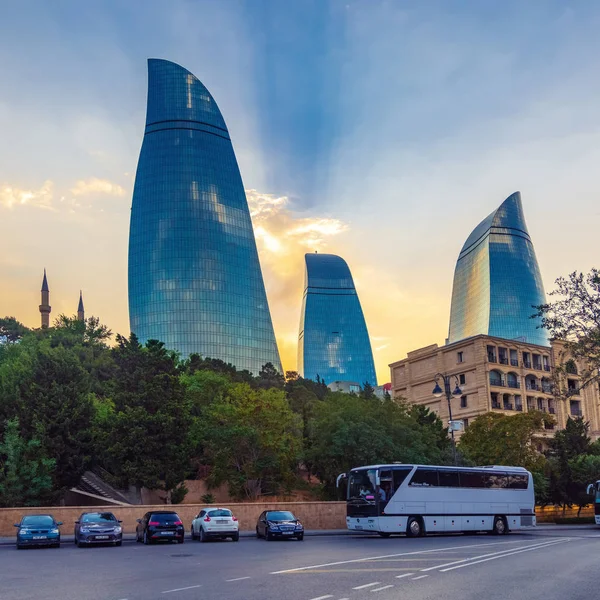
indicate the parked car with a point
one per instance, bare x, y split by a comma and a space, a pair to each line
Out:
279, 524
215, 523
98, 528
159, 525
38, 530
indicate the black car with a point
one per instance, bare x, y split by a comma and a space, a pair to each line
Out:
159, 525
279, 524
98, 528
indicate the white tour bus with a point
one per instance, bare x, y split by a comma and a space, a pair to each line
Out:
419, 499
594, 490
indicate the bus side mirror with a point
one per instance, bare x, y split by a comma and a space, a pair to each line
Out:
339, 478
591, 489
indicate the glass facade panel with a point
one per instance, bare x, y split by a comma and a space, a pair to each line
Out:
195, 281
333, 342
497, 280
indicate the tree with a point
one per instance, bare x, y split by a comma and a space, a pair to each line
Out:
148, 436
368, 391
584, 470
25, 473
12, 330
252, 441
270, 377
349, 431
574, 318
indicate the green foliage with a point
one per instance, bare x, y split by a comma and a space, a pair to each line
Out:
11, 330
350, 431
178, 494
208, 499
25, 474
251, 439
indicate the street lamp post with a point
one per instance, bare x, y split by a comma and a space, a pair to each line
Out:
457, 393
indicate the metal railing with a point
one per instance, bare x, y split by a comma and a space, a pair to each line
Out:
514, 384
497, 382
514, 362
527, 364
492, 358
519, 407
503, 360
508, 406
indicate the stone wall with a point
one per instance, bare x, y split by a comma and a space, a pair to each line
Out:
314, 515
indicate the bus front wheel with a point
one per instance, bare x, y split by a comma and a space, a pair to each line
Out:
500, 527
384, 534
414, 527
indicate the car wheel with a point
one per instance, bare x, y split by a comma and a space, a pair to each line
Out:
119, 543
499, 526
192, 532
182, 539
203, 536
79, 544
146, 538
414, 527
300, 537
257, 534
235, 538
57, 545
20, 547
268, 536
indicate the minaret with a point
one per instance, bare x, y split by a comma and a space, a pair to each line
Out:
45, 307
80, 310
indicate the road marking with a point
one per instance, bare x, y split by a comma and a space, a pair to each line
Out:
367, 558
505, 555
385, 587
191, 587
323, 597
236, 579
366, 585
419, 577
464, 560
405, 575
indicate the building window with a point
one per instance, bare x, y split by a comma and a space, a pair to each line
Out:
465, 423
463, 402
460, 357
462, 378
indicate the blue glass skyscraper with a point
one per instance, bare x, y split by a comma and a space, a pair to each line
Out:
333, 342
195, 281
497, 280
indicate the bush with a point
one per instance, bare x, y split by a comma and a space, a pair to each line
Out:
208, 499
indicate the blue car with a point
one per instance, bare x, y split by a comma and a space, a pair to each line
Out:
38, 530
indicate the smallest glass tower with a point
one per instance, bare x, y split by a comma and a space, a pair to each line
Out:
333, 342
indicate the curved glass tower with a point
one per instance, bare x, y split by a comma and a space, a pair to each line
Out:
497, 280
194, 277
333, 342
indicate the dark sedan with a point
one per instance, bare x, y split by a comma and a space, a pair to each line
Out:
98, 528
159, 525
279, 524
38, 530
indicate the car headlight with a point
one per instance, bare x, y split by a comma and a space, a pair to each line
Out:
23, 531
118, 529
84, 529
274, 527
55, 531
299, 526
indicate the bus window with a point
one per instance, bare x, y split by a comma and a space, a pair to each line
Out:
518, 482
424, 478
497, 480
399, 475
448, 478
472, 479
361, 485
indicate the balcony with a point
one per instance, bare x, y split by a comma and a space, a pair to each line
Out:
533, 386
552, 410
519, 407
576, 412
508, 406
547, 389
514, 362
546, 367
527, 364
514, 384
573, 391
497, 382
503, 360
492, 358
496, 404
537, 366
548, 425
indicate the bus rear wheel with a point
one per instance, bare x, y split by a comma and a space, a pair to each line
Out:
500, 527
414, 527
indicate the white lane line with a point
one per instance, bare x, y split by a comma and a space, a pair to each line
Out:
464, 560
236, 579
323, 597
190, 587
385, 587
405, 575
366, 585
419, 577
504, 555
367, 558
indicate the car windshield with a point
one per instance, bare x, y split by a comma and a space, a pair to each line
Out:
222, 512
37, 521
98, 518
280, 515
163, 517
361, 485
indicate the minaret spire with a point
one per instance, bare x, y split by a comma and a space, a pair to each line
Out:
45, 307
80, 309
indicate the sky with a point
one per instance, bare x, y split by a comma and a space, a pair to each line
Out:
382, 131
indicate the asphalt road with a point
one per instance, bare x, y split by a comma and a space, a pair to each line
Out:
549, 564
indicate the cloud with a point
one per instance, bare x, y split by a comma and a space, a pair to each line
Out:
93, 185
12, 196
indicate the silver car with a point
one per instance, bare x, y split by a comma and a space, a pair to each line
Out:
98, 528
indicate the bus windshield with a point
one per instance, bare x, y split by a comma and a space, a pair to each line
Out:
361, 485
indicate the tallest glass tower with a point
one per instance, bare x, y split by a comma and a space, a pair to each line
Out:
195, 281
